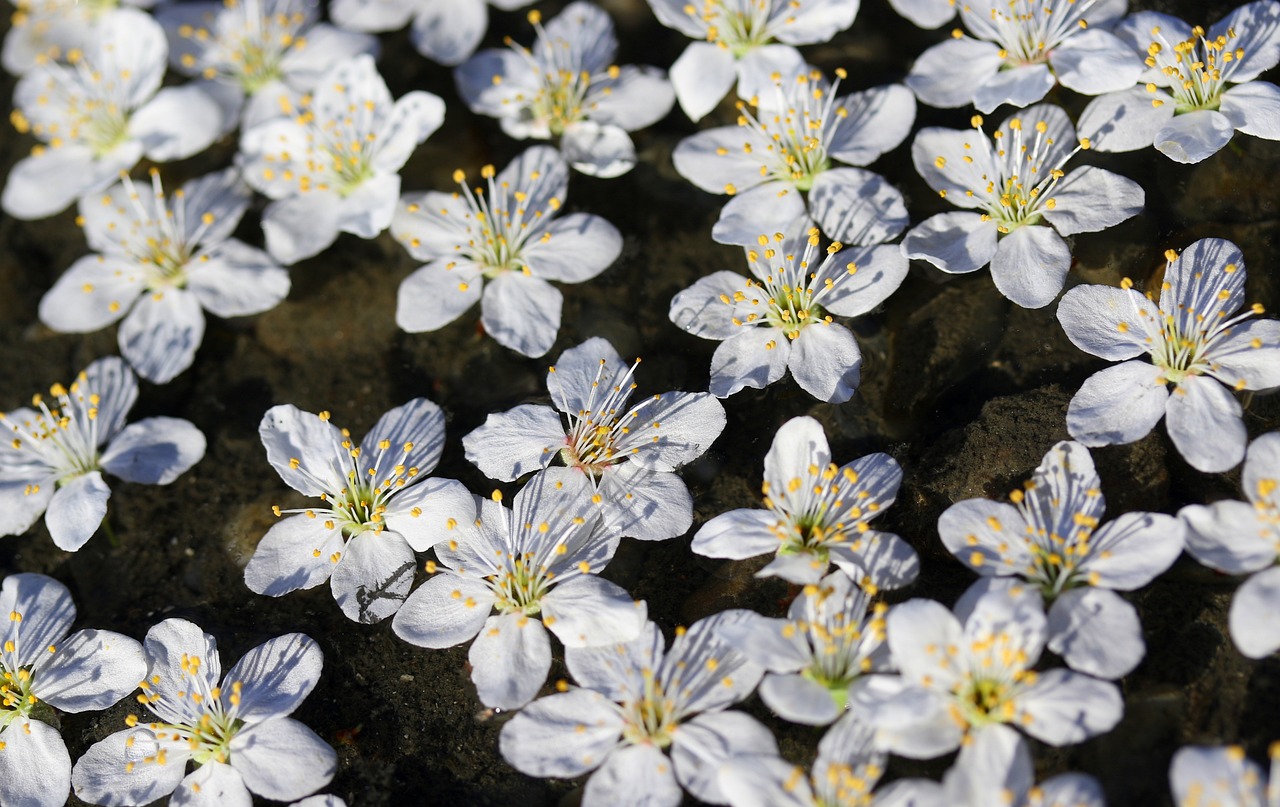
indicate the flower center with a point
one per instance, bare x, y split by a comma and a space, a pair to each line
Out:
521, 587
501, 222
1028, 30
563, 84
739, 25
984, 701
591, 442
198, 717
652, 718
1197, 68
795, 129
252, 39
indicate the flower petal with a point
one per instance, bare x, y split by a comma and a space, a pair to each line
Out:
954, 242
76, 511
1257, 31
96, 291
275, 677
282, 759
737, 534
1249, 356
1252, 619
178, 122
446, 610
826, 362
373, 576
1067, 707
855, 206
644, 504
213, 784
103, 776
238, 280
946, 74
766, 781
751, 213
510, 659
1204, 422
877, 121
447, 31
510, 444
1194, 136
919, 633
1125, 121
437, 294
300, 227
1094, 61
1096, 632
295, 553
562, 735
598, 150
35, 768
1133, 550
986, 536
574, 248
155, 451
706, 742
1118, 405
798, 699
587, 610
702, 309
925, 13
631, 770
415, 432
89, 670
630, 97
1030, 266
162, 333
864, 278
716, 159
430, 511
302, 447
755, 357
47, 612
1229, 536
678, 427
521, 313
702, 76
1017, 86
1105, 321
1089, 200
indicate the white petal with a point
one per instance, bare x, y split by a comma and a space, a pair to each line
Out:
238, 280
598, 150
953, 242
763, 68
89, 670
755, 357
503, 99
1254, 109
701, 77
946, 74
213, 784
879, 119
1257, 29
798, 699
1194, 136
715, 159
282, 759
774, 644
446, 610
437, 294
1096, 632
798, 444
296, 438
637, 97
854, 206
705, 743
1090, 199
1105, 321
561, 735
644, 504
737, 534
372, 15
587, 610
295, 553
510, 444
1133, 550
825, 362
1229, 536
448, 31
1095, 61
433, 225
76, 511
177, 123
430, 511
35, 768
701, 309
1253, 619
40, 186
276, 676
674, 14
1067, 707
162, 333
23, 501
100, 777
510, 659
1249, 356
925, 13
1072, 790
414, 117
1018, 86
1205, 425
636, 774
369, 208
919, 631
748, 215
673, 428
155, 451
765, 781
95, 292
521, 313
303, 67
1030, 265
1125, 121
301, 226
574, 248
47, 613
414, 432
955, 161
866, 276
169, 645
993, 767
373, 576
986, 536
909, 720
1118, 405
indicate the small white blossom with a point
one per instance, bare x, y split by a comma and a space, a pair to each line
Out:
1222, 776
1049, 536
832, 635
234, 728
625, 456
41, 30
1244, 538
959, 678
500, 248
334, 167
1022, 200
43, 666
780, 319
53, 456
1199, 88
1197, 341
566, 87
817, 514
1020, 49
100, 112
159, 262
266, 52
445, 31
378, 506
744, 41
536, 565
779, 163
637, 703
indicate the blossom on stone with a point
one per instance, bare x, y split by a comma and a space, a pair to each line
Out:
567, 88
1199, 88
378, 506
1244, 538
334, 166
1222, 776
832, 635
780, 319
55, 453
744, 41
47, 29
965, 673
1200, 346
781, 162
234, 728
1020, 49
517, 574
1019, 201
257, 57
1049, 535
445, 31
158, 264
634, 705
624, 457
44, 667
98, 113
501, 248
816, 514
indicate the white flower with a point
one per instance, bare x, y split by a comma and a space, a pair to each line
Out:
1222, 776
566, 87
1244, 538
335, 166
635, 703
1015, 182
52, 459
958, 678
99, 113
778, 163
1198, 90
445, 31
378, 506
1197, 341
780, 319
624, 456
159, 263
746, 41
47, 29
234, 727
833, 634
818, 514
268, 51
500, 248
1022, 49
1049, 536
536, 565
42, 668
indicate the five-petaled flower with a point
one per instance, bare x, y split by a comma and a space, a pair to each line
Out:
500, 248
235, 727
1197, 342
53, 456
1199, 88
624, 456
780, 319
335, 165
567, 87
42, 668
445, 31
378, 506
818, 514
1015, 182
536, 565
1021, 50
159, 263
